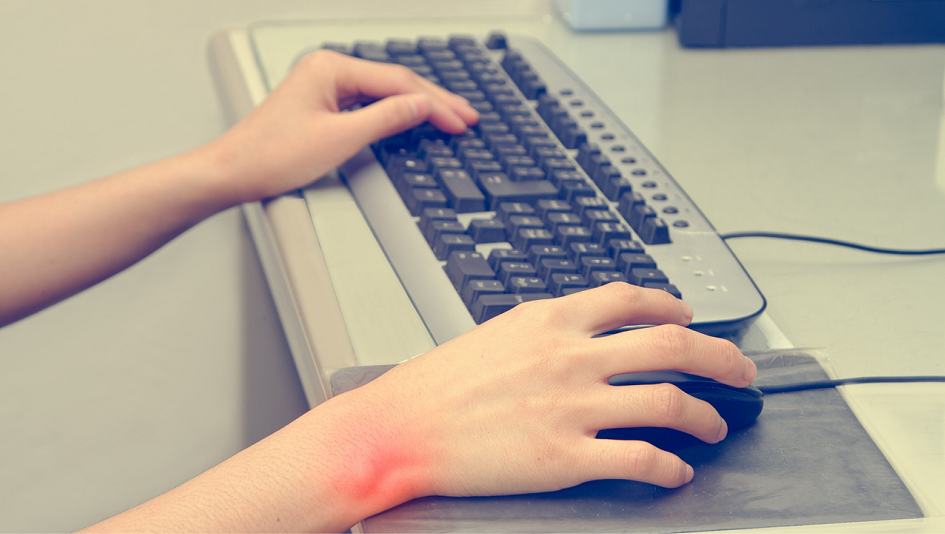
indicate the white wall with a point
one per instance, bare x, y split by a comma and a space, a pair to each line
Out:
155, 375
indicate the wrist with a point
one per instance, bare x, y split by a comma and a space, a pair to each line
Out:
366, 460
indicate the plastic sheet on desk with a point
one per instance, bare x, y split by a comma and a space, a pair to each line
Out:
807, 460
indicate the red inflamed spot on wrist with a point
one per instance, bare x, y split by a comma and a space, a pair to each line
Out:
381, 474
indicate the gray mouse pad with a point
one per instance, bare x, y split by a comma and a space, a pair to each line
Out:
807, 460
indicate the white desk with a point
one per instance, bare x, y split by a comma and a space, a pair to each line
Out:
843, 142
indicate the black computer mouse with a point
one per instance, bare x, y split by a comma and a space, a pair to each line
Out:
739, 407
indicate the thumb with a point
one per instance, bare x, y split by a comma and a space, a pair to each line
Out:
386, 117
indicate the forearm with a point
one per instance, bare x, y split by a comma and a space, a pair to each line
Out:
56, 245
323, 473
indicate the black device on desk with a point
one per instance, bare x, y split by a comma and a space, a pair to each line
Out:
547, 195
721, 23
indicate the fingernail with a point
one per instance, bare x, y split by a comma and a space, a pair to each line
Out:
723, 431
690, 473
687, 310
750, 370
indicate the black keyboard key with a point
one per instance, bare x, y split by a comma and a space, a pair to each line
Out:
551, 165
570, 190
522, 174
466, 155
527, 237
533, 144
605, 231
669, 288
603, 176
616, 247
529, 284
419, 199
432, 148
585, 151
562, 281
509, 161
573, 137
496, 41
640, 277
514, 223
568, 235
630, 260
476, 288
599, 278
592, 217
589, 264
436, 163
499, 255
542, 153
495, 140
446, 244
616, 188
579, 251
401, 47
488, 306
398, 164
481, 106
654, 231
477, 168
628, 202
508, 269
437, 228
435, 214
461, 267
499, 188
555, 219
537, 253
430, 44
561, 177
461, 192
551, 266
506, 209
411, 181
486, 230
638, 214
488, 128
544, 207
582, 204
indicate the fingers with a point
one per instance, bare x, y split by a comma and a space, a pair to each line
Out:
620, 304
671, 347
388, 117
357, 78
658, 405
635, 460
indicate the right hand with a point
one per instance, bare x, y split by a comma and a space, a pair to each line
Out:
514, 405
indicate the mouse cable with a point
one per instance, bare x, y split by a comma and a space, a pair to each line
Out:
823, 384
828, 241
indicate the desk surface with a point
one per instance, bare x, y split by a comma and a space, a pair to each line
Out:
842, 142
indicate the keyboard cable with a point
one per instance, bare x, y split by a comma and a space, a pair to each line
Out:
823, 384
837, 242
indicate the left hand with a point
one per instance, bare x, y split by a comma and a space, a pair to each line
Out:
299, 132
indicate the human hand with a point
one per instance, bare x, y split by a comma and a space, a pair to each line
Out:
299, 132
514, 405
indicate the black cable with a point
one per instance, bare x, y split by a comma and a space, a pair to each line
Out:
828, 241
822, 384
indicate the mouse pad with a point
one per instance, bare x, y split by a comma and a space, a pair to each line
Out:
806, 460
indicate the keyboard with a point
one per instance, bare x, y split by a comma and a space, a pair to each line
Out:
549, 194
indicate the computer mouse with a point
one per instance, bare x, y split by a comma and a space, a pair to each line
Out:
739, 407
